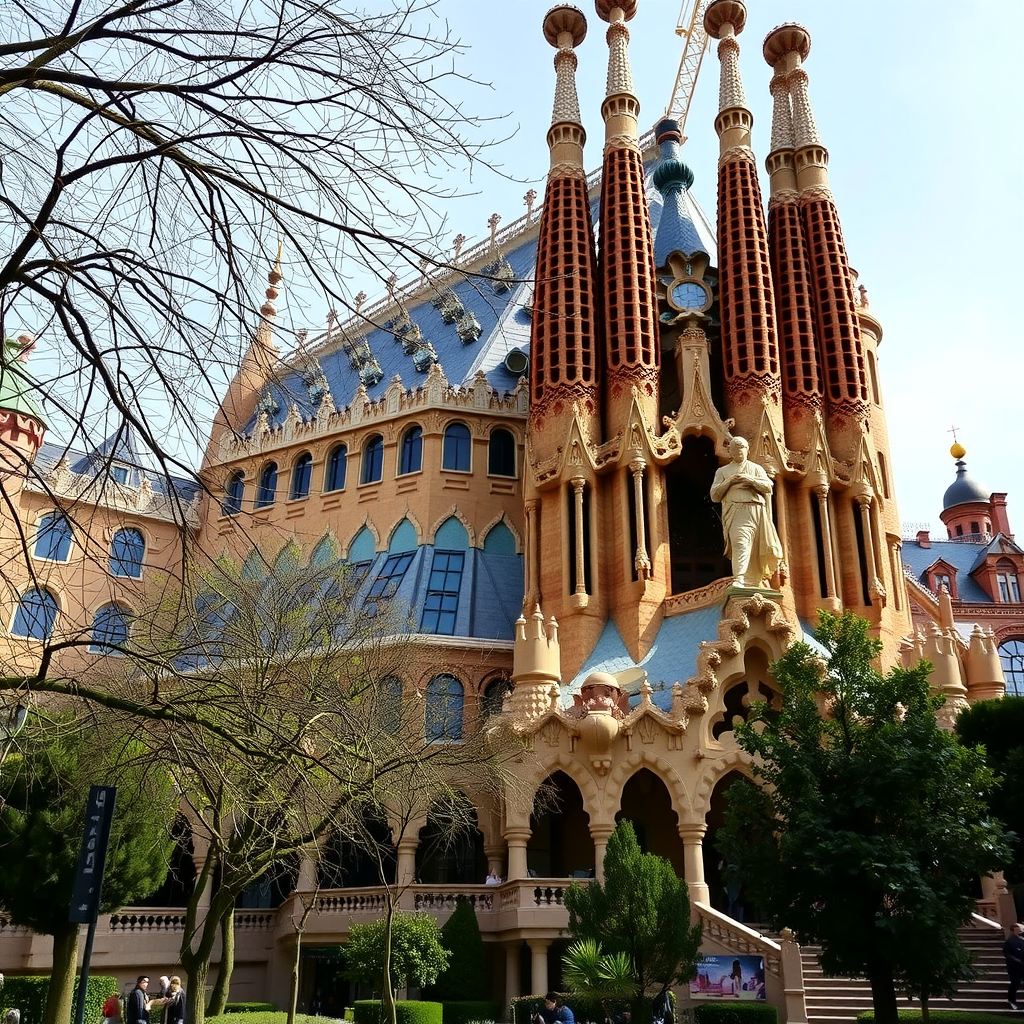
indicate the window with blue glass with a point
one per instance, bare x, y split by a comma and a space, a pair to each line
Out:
501, 453
109, 630
391, 704
302, 474
233, 494
126, 553
411, 459
36, 614
53, 537
1011, 654
119, 474
390, 575
337, 469
373, 461
456, 452
266, 492
443, 719
442, 601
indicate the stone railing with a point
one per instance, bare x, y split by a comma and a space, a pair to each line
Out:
174, 921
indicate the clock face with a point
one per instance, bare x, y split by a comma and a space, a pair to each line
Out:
689, 295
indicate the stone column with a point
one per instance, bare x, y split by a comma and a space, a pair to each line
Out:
405, 870
600, 834
692, 835
792, 979
539, 965
306, 882
495, 860
517, 838
513, 985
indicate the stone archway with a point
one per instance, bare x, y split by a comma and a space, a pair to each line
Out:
560, 843
647, 803
723, 896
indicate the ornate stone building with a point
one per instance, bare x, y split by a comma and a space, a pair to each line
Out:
522, 449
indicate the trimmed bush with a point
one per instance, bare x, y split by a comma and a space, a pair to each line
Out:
250, 1007
944, 1016
465, 978
28, 994
465, 1010
735, 1013
267, 1017
522, 1008
407, 1011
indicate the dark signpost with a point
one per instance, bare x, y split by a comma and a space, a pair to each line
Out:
85, 896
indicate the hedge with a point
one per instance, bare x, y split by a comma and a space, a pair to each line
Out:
266, 1017
522, 1008
735, 1013
465, 1010
945, 1016
250, 1007
27, 993
407, 1011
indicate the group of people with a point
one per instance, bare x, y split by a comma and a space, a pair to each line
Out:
166, 1007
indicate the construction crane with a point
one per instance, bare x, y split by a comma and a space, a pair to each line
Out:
691, 27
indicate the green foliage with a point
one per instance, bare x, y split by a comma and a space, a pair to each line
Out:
998, 726
588, 970
943, 1017
250, 1008
735, 1013
522, 1008
27, 993
643, 911
265, 1017
43, 792
465, 1011
465, 978
417, 955
871, 823
407, 1011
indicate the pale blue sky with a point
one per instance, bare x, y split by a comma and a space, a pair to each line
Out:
919, 103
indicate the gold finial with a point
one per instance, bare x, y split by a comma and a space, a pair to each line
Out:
958, 451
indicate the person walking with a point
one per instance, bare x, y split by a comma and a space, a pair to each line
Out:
1013, 951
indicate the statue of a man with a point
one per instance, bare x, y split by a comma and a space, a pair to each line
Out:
751, 542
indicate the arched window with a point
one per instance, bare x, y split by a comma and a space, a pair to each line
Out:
411, 459
36, 614
500, 540
444, 708
337, 468
457, 448
391, 704
501, 453
1011, 654
1006, 580
373, 461
109, 630
53, 537
494, 696
233, 494
266, 492
302, 474
126, 553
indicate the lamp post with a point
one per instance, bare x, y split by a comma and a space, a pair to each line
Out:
16, 718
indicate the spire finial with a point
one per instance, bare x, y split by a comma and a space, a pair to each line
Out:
957, 450
565, 28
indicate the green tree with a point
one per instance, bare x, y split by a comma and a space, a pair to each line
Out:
466, 974
605, 977
416, 951
998, 726
43, 790
870, 822
641, 910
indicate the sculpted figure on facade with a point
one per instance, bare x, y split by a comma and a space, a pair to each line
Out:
751, 542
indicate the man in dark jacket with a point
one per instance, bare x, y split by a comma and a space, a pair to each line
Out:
137, 1009
1013, 951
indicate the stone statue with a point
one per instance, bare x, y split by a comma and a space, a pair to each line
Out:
751, 542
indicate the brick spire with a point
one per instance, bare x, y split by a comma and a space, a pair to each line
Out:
627, 244
750, 348
841, 349
564, 338
791, 273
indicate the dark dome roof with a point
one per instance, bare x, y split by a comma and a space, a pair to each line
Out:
963, 489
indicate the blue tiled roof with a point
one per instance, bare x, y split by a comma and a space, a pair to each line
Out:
960, 556
671, 659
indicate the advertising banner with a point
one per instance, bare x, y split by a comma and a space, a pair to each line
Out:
729, 977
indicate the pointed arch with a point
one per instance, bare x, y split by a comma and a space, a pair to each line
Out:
503, 520
455, 511
404, 537
452, 535
326, 551
363, 546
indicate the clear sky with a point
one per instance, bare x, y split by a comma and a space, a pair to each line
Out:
919, 103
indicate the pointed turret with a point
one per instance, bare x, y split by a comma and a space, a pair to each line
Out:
841, 348
256, 368
21, 423
749, 342
564, 337
627, 244
801, 378
673, 178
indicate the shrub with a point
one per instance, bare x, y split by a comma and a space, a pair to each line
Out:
266, 1017
407, 1011
735, 1013
28, 994
522, 1008
943, 1017
250, 1007
466, 1011
465, 978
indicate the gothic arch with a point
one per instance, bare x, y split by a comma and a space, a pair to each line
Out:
367, 524
634, 762
502, 517
445, 516
413, 522
734, 761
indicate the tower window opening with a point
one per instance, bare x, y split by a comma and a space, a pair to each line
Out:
862, 556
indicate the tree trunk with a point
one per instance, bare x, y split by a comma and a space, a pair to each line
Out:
196, 959
60, 996
387, 994
222, 987
195, 995
883, 994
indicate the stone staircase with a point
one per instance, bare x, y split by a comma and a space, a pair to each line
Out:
839, 1000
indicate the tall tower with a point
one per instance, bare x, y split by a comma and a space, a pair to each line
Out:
565, 344
753, 388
